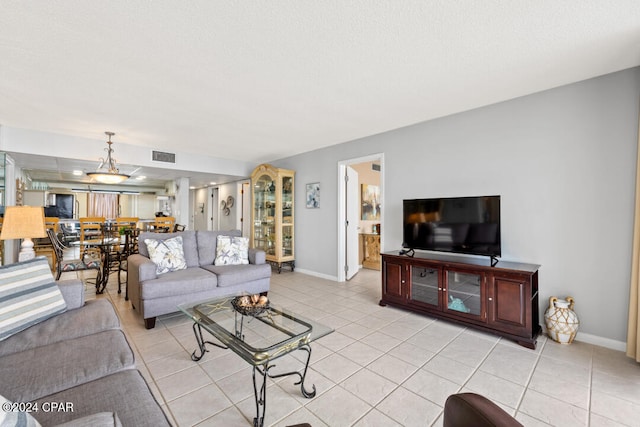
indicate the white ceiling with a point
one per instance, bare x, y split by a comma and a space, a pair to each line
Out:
257, 80
58, 173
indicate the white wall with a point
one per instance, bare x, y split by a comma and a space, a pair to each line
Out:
564, 162
147, 206
228, 222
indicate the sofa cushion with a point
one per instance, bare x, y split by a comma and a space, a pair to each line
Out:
232, 250
28, 295
40, 371
125, 392
229, 275
189, 245
178, 283
95, 316
166, 254
207, 243
101, 419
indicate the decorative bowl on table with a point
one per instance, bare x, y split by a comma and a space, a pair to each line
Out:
250, 305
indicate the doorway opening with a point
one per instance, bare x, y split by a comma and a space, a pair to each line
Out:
245, 218
360, 213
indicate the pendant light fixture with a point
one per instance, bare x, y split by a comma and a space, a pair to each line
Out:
107, 172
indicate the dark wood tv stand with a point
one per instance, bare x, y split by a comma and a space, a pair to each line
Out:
500, 299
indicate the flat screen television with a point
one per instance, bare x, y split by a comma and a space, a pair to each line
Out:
466, 225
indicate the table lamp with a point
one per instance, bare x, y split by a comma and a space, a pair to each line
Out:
24, 222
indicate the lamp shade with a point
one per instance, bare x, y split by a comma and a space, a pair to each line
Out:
108, 177
23, 222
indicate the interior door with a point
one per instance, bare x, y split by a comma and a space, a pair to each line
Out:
200, 209
352, 204
213, 218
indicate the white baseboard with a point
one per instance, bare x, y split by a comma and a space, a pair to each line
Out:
601, 341
316, 274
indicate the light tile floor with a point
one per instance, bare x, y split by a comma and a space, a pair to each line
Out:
381, 367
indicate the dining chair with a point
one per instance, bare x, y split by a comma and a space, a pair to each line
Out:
129, 247
85, 262
128, 230
43, 246
164, 224
70, 233
91, 228
126, 222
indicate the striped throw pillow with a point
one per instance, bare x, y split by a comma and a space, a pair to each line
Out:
28, 295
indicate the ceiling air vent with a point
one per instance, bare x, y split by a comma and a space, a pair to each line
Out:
159, 156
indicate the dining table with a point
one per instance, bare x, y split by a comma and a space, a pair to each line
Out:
111, 244
106, 246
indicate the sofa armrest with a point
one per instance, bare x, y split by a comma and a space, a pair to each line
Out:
257, 256
141, 267
73, 292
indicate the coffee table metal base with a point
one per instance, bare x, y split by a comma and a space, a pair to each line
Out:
259, 380
197, 330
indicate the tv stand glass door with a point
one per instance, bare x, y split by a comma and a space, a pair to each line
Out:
464, 292
425, 285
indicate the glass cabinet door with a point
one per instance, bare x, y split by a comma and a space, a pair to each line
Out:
464, 292
424, 285
287, 216
264, 207
287, 240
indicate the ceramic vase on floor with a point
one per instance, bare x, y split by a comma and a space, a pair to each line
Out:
561, 321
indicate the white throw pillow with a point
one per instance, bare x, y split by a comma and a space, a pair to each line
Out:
232, 250
167, 255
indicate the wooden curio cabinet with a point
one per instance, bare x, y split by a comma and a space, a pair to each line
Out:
272, 220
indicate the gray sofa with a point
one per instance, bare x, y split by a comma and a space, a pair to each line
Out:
80, 359
154, 295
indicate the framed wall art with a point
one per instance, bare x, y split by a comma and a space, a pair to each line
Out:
313, 195
370, 202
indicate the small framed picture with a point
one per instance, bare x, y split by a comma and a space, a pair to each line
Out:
370, 202
313, 195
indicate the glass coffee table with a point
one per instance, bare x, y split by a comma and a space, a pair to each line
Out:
259, 338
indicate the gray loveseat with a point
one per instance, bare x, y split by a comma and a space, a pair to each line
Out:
154, 295
75, 368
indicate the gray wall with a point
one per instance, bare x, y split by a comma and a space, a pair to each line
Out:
564, 163
228, 222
